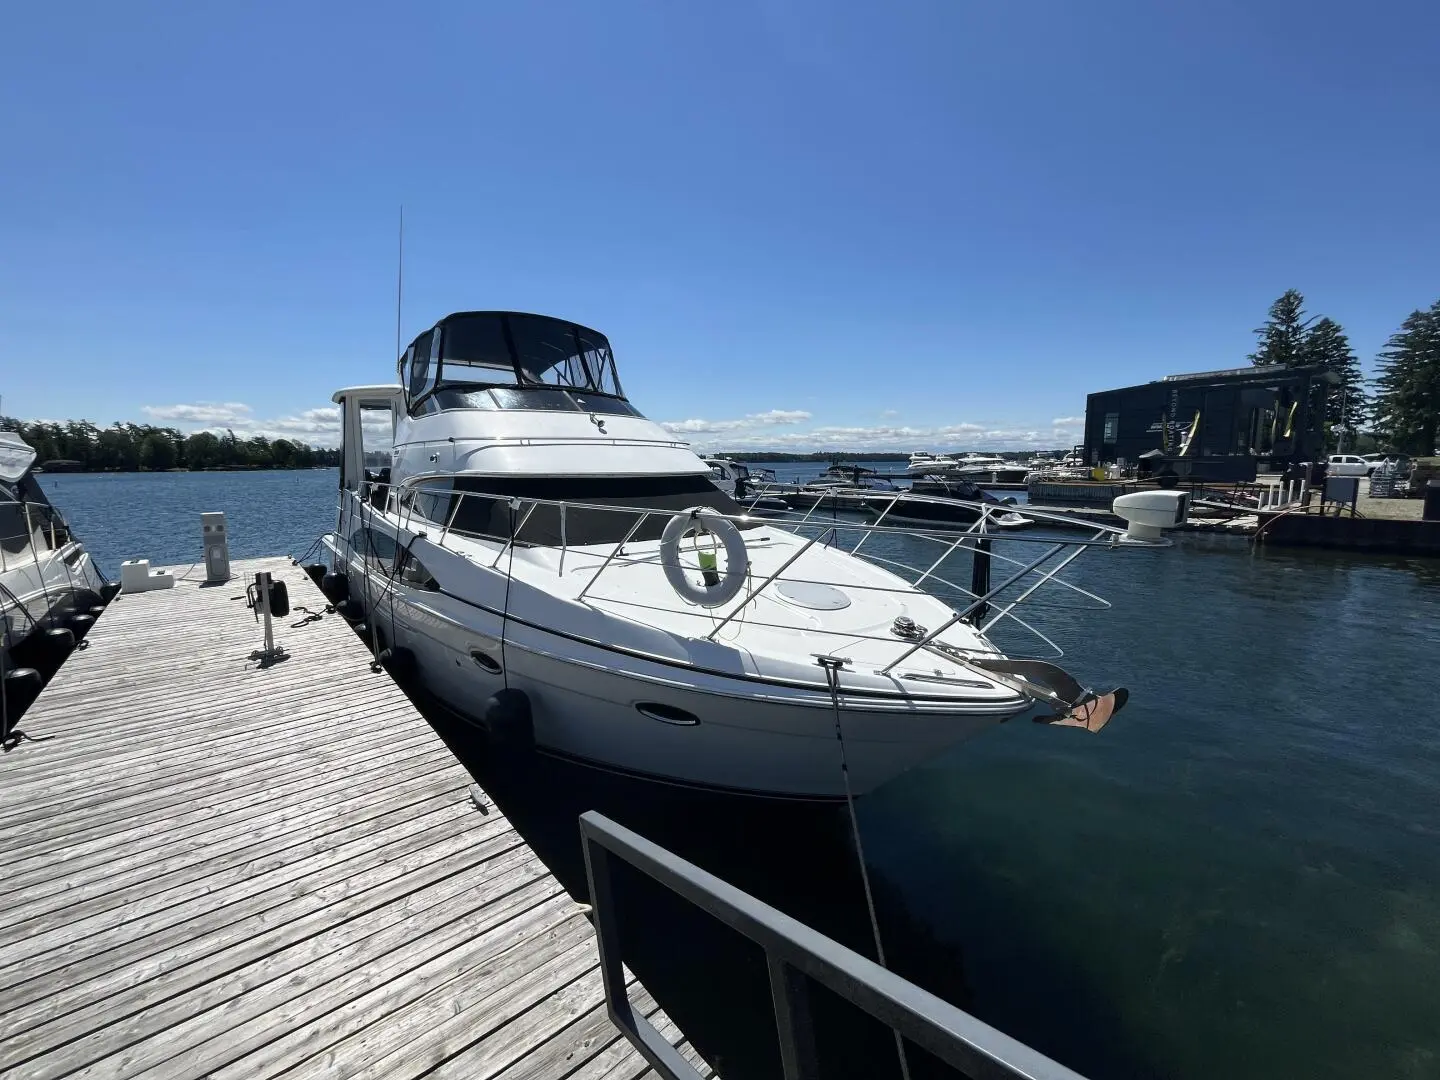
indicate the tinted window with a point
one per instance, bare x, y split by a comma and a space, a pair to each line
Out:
422, 372
534, 398
414, 574
486, 511
431, 500
377, 548
597, 404
475, 350
496, 348
14, 535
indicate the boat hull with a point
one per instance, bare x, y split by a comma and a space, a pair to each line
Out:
674, 723
45, 594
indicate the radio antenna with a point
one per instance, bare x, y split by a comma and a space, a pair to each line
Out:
400, 279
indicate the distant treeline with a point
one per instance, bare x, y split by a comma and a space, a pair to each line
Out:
81, 446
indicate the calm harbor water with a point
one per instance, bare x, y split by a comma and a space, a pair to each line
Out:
1239, 877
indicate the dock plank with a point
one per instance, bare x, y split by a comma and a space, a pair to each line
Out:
218, 869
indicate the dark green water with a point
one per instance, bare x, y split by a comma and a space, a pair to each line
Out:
1239, 877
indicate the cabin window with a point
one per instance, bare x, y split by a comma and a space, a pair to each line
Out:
430, 499
422, 370
14, 531
414, 574
485, 507
504, 348
375, 547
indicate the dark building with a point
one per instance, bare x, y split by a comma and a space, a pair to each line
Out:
1213, 425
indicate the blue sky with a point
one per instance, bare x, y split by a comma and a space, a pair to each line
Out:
813, 223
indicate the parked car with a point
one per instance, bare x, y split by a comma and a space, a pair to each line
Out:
1347, 465
1375, 461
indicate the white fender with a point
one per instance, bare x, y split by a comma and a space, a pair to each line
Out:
737, 559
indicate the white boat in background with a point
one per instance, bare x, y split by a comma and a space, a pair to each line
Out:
978, 468
924, 463
561, 571
749, 490
50, 588
1070, 467
988, 469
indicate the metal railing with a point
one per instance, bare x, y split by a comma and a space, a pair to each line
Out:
378, 499
797, 957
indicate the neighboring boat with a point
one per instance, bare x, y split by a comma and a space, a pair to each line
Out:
841, 487
1070, 467
749, 490
946, 502
924, 463
50, 589
549, 564
980, 468
988, 469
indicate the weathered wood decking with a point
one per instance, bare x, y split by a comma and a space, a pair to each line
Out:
212, 869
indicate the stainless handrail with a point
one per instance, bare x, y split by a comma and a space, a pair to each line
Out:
1103, 536
797, 957
609, 558
979, 603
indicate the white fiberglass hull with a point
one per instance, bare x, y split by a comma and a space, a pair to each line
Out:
608, 707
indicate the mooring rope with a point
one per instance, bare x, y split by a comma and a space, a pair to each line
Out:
832, 666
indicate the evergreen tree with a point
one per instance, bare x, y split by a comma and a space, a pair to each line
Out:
1327, 344
157, 452
1282, 338
1407, 406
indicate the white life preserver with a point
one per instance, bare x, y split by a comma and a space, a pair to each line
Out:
737, 559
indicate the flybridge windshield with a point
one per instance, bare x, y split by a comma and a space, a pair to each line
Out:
498, 349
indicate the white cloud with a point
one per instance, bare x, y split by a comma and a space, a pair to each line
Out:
741, 435
318, 427
889, 414
229, 413
771, 418
773, 429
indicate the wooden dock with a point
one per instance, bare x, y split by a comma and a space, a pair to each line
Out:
217, 869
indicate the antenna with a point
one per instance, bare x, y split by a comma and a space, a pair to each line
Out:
400, 280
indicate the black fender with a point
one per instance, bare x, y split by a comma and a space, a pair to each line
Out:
508, 720
22, 687
336, 588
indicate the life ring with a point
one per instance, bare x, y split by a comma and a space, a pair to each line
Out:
737, 559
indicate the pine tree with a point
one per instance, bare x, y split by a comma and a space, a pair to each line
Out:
1407, 406
1327, 344
1282, 338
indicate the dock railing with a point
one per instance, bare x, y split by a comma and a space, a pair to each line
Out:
798, 958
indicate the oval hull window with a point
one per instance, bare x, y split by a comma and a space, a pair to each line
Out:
667, 714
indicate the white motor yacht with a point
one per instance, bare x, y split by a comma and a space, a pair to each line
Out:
988, 469
924, 463
561, 571
48, 582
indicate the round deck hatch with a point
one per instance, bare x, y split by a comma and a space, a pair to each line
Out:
812, 595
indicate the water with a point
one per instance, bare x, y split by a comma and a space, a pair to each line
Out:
156, 516
1239, 877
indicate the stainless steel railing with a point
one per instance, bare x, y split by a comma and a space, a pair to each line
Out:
984, 610
798, 958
